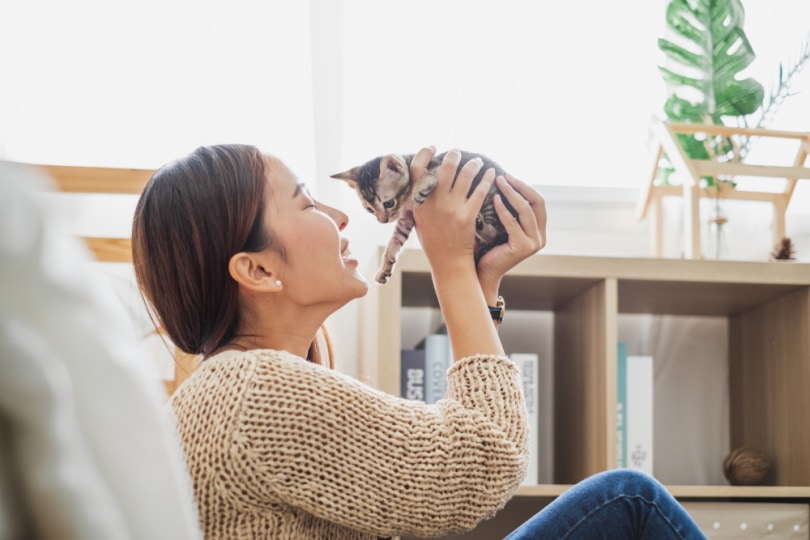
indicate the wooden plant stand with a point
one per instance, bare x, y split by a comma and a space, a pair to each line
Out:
692, 169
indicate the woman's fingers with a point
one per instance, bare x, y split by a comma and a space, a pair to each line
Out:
420, 161
530, 206
460, 188
447, 171
532, 196
478, 196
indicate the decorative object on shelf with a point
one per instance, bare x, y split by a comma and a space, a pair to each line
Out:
708, 51
784, 251
694, 169
746, 467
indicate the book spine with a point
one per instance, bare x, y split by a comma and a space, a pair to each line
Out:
528, 366
621, 407
634, 426
640, 413
412, 374
437, 362
545, 423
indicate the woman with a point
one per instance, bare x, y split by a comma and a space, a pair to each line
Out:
240, 264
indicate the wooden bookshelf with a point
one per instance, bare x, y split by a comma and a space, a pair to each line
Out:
767, 305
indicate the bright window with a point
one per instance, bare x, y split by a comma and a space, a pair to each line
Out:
560, 93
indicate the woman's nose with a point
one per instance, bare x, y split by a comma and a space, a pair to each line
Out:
341, 219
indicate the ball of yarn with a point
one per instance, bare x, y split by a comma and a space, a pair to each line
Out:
746, 467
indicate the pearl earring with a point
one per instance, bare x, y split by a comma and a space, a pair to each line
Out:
278, 283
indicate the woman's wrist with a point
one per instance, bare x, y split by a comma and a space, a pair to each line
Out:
463, 306
451, 268
490, 288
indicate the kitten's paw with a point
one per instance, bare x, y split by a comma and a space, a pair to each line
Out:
386, 270
425, 186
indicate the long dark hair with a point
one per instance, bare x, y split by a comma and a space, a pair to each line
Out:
192, 217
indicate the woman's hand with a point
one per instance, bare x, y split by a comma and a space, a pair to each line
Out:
445, 222
527, 233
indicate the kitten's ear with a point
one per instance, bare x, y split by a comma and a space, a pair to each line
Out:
393, 163
349, 176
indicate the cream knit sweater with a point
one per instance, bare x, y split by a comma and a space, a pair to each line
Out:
282, 448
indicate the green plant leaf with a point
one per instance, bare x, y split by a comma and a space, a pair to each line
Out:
706, 52
711, 50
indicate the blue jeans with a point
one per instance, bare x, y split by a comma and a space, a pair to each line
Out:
616, 504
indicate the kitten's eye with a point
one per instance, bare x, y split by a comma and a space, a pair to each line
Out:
389, 204
370, 210
479, 223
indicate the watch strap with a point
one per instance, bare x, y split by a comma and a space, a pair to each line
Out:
497, 312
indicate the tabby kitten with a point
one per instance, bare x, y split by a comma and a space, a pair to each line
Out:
386, 190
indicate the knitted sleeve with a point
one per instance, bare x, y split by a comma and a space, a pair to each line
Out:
323, 442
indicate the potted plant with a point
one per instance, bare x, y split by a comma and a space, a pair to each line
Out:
707, 50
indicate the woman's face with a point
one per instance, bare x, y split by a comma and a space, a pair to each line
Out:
318, 267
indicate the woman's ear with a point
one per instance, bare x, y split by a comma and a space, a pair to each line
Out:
255, 271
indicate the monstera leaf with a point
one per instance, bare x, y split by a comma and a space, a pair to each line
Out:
707, 52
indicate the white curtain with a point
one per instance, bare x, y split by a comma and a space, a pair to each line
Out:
136, 84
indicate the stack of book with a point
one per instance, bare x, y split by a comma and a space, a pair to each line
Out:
423, 370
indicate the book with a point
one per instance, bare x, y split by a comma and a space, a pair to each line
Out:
634, 410
621, 399
545, 420
437, 362
528, 367
412, 374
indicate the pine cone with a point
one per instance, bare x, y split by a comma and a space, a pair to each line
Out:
784, 251
746, 467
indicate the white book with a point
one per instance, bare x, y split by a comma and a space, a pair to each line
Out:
437, 362
537, 386
635, 412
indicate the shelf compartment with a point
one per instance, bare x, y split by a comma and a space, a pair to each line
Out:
767, 305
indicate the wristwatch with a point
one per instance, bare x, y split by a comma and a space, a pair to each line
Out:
498, 311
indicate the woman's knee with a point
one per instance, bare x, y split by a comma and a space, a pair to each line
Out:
628, 482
